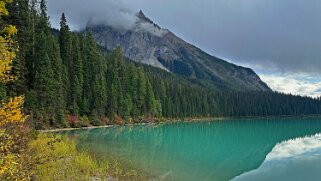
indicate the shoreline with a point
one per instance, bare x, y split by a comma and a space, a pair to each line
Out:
177, 120
72, 129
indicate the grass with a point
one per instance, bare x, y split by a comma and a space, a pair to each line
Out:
57, 158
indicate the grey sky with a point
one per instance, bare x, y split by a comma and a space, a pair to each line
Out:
271, 36
283, 34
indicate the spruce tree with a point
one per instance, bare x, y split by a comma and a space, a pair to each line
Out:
65, 43
58, 70
141, 92
150, 101
113, 87
44, 81
20, 17
76, 77
132, 90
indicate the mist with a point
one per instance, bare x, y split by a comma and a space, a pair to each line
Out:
272, 37
275, 36
80, 13
83, 13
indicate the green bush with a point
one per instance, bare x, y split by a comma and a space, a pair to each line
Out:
57, 158
84, 121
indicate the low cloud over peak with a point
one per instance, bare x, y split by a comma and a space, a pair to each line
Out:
278, 35
82, 12
270, 36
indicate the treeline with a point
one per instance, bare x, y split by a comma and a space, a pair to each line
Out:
182, 97
68, 81
64, 75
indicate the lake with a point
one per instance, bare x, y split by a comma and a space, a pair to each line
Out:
249, 149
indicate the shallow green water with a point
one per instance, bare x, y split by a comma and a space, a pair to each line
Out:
196, 151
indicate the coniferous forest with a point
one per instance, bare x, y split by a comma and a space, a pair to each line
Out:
67, 80
56, 78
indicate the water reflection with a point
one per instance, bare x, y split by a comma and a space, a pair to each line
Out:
195, 151
298, 159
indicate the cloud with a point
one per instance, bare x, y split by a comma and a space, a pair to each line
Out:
81, 12
282, 36
294, 84
278, 37
297, 159
151, 29
115, 13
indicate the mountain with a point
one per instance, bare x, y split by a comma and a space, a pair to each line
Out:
148, 43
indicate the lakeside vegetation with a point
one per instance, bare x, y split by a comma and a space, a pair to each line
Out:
68, 81
53, 157
62, 161
58, 79
27, 155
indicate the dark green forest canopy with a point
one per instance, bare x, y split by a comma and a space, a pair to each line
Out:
68, 81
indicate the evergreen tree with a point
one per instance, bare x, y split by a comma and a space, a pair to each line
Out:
58, 70
95, 81
113, 89
141, 91
76, 78
20, 17
44, 82
66, 73
65, 43
151, 108
132, 90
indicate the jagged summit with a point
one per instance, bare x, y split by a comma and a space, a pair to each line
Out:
148, 43
141, 15
144, 19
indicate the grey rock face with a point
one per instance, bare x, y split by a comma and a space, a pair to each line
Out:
147, 43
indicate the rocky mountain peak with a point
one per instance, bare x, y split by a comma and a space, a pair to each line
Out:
142, 18
141, 15
150, 44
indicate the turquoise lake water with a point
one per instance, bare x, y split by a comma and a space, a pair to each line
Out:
262, 149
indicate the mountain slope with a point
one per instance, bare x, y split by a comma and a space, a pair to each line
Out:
147, 43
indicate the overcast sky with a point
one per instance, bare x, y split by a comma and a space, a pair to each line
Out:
279, 39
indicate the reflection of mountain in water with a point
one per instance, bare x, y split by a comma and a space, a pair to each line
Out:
199, 150
298, 159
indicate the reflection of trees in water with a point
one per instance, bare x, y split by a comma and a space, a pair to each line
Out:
214, 148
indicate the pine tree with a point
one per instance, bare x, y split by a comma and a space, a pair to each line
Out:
94, 76
20, 17
120, 78
44, 81
113, 89
43, 22
87, 76
65, 43
150, 101
58, 70
76, 77
141, 92
128, 91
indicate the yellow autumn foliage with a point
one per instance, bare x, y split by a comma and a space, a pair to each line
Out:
13, 139
3, 9
7, 50
11, 112
7, 53
15, 163
13, 135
